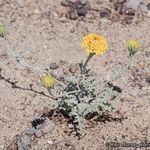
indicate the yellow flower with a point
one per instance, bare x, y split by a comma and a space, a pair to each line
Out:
48, 81
2, 30
94, 43
133, 46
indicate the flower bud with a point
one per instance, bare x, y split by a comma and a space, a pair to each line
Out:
48, 81
133, 47
2, 30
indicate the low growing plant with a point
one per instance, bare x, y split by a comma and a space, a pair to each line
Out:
84, 96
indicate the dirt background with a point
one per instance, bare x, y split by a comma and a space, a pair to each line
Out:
40, 30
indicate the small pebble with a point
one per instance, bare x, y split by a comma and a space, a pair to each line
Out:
148, 6
82, 11
65, 3
54, 66
120, 1
45, 46
70, 126
130, 12
50, 142
71, 1
62, 19
36, 11
105, 13
81, 7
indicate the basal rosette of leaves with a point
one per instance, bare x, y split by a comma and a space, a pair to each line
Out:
84, 98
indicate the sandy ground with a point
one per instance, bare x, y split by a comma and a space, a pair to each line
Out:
40, 31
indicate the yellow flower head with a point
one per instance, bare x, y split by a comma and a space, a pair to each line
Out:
133, 46
94, 43
48, 81
2, 30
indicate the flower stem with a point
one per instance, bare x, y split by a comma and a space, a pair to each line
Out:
123, 70
83, 71
18, 57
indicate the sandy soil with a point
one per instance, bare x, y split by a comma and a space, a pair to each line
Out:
40, 31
